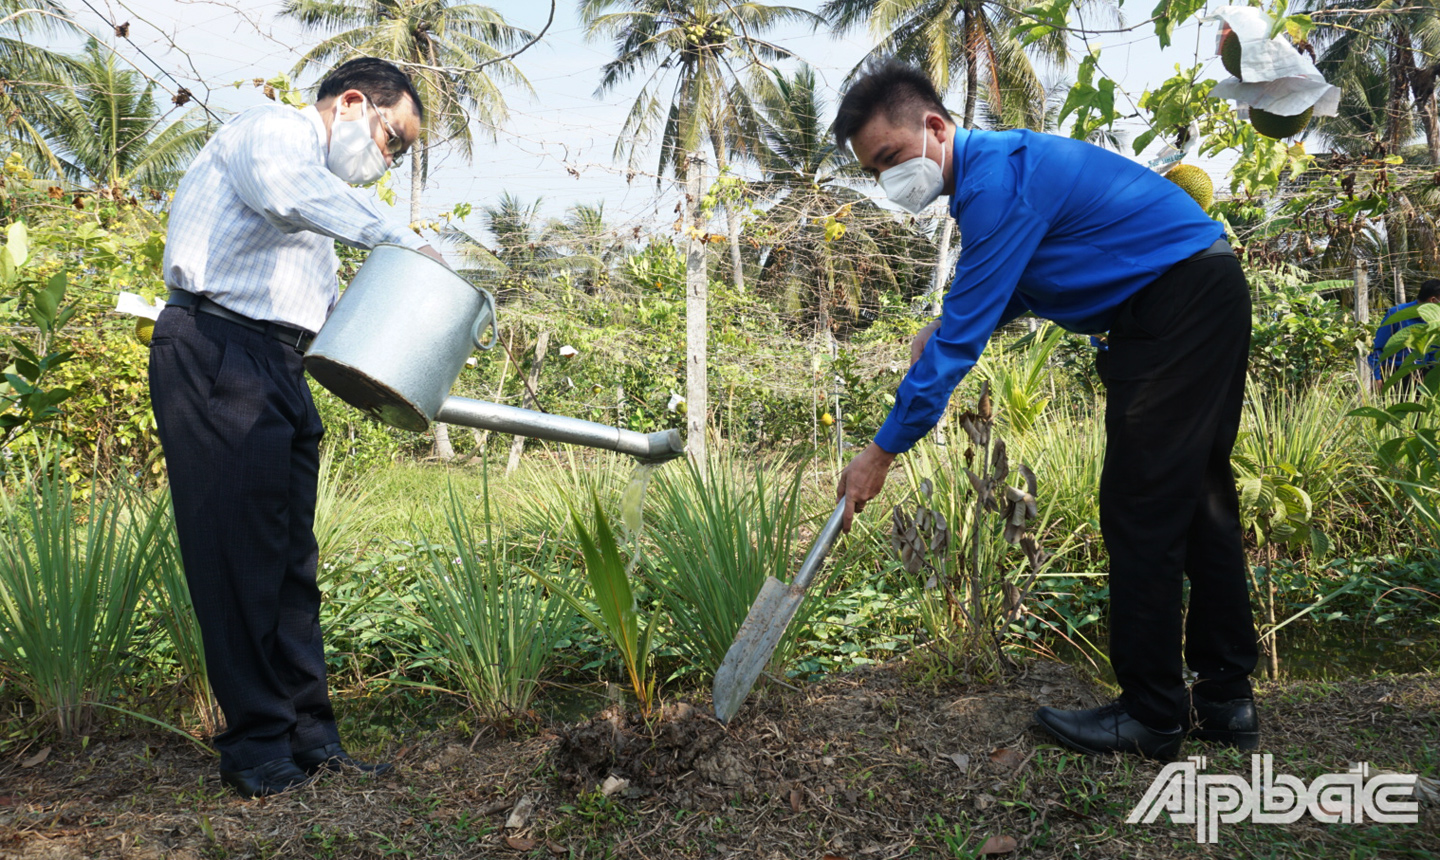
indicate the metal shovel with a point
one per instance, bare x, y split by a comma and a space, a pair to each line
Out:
769, 615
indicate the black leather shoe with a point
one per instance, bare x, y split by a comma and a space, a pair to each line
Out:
333, 758
1234, 723
272, 777
1110, 728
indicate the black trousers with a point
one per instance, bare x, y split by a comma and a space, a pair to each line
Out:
1175, 373
241, 439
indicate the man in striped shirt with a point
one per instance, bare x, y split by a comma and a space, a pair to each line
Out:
251, 265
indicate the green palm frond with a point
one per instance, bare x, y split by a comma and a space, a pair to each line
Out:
438, 42
106, 129
689, 50
952, 40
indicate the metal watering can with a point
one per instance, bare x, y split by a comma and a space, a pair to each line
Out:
399, 337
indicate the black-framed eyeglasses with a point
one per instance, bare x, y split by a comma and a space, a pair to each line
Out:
395, 145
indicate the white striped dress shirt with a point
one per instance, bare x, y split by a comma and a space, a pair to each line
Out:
254, 221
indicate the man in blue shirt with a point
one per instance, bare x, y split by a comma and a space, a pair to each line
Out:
1429, 294
1096, 243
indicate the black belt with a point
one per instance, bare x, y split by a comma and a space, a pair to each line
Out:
296, 337
1220, 248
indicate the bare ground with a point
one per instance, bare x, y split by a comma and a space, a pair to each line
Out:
868, 766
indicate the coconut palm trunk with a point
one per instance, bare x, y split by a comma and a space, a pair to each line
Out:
942, 269
444, 451
972, 74
1422, 90
697, 308
737, 266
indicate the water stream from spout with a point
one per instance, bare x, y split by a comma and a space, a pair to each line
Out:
632, 508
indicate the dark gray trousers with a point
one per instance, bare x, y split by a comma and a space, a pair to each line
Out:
1175, 376
241, 439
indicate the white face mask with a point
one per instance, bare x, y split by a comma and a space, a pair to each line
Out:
354, 155
915, 183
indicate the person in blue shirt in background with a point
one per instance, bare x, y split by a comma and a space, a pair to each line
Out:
1429, 294
1094, 242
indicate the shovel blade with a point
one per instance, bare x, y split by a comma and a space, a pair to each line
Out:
754, 644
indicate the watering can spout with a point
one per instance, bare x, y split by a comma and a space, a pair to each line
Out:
653, 447
647, 448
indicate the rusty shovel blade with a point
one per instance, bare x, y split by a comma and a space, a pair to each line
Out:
765, 624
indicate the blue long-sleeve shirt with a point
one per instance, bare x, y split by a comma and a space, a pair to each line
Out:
1382, 336
1051, 225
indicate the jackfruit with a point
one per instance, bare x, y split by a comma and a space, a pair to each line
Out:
1277, 125
144, 330
1194, 182
1230, 53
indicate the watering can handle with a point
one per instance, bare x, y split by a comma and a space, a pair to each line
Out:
485, 317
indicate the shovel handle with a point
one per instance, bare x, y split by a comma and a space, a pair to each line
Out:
821, 548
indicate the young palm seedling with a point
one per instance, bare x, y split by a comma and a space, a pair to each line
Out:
616, 612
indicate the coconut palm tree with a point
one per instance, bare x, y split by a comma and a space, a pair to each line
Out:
31, 75
105, 129
520, 259
442, 45
959, 42
1375, 60
815, 224
690, 50
588, 244
1360, 128
1355, 39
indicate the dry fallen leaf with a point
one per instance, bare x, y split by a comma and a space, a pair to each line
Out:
520, 815
37, 758
555, 848
961, 760
795, 797
998, 845
613, 784
834, 857
1006, 757
526, 844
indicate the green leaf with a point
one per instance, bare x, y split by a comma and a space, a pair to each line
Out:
1380, 417
54, 290
21, 386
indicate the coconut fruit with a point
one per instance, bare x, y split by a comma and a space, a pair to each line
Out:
144, 330
1194, 182
1230, 53
1277, 125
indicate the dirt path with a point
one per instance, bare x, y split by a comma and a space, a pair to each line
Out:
863, 767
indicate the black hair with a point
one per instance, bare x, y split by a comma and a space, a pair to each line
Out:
1429, 290
897, 90
383, 83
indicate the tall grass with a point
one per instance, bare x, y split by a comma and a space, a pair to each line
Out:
717, 537
346, 513
543, 494
71, 578
168, 595
492, 626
